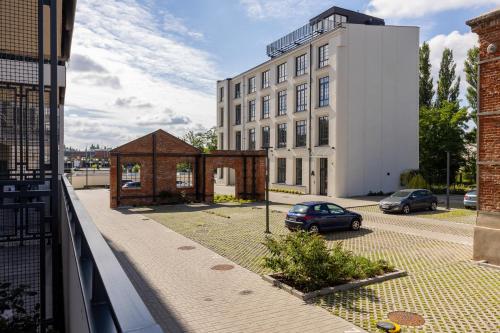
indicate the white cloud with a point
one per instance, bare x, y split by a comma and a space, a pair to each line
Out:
131, 76
460, 44
419, 8
263, 9
176, 25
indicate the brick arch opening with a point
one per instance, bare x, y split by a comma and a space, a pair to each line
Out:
160, 154
249, 173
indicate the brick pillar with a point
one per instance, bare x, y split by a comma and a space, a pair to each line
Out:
487, 229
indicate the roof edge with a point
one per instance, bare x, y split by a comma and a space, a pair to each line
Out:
488, 16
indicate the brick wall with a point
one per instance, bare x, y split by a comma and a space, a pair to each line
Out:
488, 29
249, 168
487, 229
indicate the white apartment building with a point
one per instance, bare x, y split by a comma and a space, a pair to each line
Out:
337, 101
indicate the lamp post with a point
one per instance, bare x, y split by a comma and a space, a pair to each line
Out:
267, 189
86, 168
448, 180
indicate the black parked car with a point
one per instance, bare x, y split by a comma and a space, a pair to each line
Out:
405, 201
317, 216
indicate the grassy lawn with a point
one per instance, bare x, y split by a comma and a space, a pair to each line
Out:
444, 286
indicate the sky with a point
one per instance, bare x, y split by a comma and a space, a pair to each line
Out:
140, 65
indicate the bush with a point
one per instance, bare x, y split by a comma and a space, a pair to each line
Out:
304, 261
222, 198
14, 317
417, 181
459, 189
284, 190
406, 176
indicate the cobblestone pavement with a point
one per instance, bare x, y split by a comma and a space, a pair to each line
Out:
451, 292
175, 276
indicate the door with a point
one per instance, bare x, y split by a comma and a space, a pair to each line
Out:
418, 200
322, 216
338, 218
323, 176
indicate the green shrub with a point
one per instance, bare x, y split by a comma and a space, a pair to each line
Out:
459, 189
284, 190
417, 181
223, 198
304, 261
406, 176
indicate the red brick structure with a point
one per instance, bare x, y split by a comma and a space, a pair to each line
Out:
487, 230
159, 155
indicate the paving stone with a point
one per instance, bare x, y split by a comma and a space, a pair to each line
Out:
174, 283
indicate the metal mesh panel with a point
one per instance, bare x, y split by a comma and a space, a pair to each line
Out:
24, 151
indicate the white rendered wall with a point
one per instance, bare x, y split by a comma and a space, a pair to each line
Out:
377, 108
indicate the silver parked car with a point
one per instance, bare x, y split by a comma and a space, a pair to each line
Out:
470, 199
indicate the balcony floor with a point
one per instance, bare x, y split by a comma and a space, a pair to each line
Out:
184, 294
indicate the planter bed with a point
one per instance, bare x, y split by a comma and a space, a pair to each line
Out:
277, 280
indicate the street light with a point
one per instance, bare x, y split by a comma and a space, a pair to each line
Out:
448, 180
267, 188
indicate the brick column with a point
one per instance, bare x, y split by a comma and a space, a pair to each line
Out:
487, 229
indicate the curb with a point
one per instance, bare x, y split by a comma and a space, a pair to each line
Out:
331, 290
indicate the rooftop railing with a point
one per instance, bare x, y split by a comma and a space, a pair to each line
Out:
98, 295
299, 37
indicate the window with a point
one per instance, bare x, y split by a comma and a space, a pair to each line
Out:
237, 115
323, 55
301, 98
251, 139
265, 79
300, 65
221, 94
131, 176
300, 133
334, 209
238, 140
323, 131
184, 175
221, 141
281, 135
281, 170
298, 171
324, 91
266, 136
221, 117
237, 90
281, 102
265, 107
251, 110
251, 85
282, 72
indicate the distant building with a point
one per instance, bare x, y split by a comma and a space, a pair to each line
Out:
337, 101
487, 229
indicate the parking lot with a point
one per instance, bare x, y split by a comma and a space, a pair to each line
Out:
443, 284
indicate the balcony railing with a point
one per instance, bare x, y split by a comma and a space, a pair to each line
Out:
98, 296
299, 37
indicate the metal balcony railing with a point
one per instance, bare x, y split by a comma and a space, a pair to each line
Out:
98, 296
299, 37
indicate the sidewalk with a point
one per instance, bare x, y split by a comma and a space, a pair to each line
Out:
184, 294
292, 199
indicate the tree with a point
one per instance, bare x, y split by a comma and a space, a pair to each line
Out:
426, 90
204, 141
471, 73
471, 76
448, 85
441, 130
